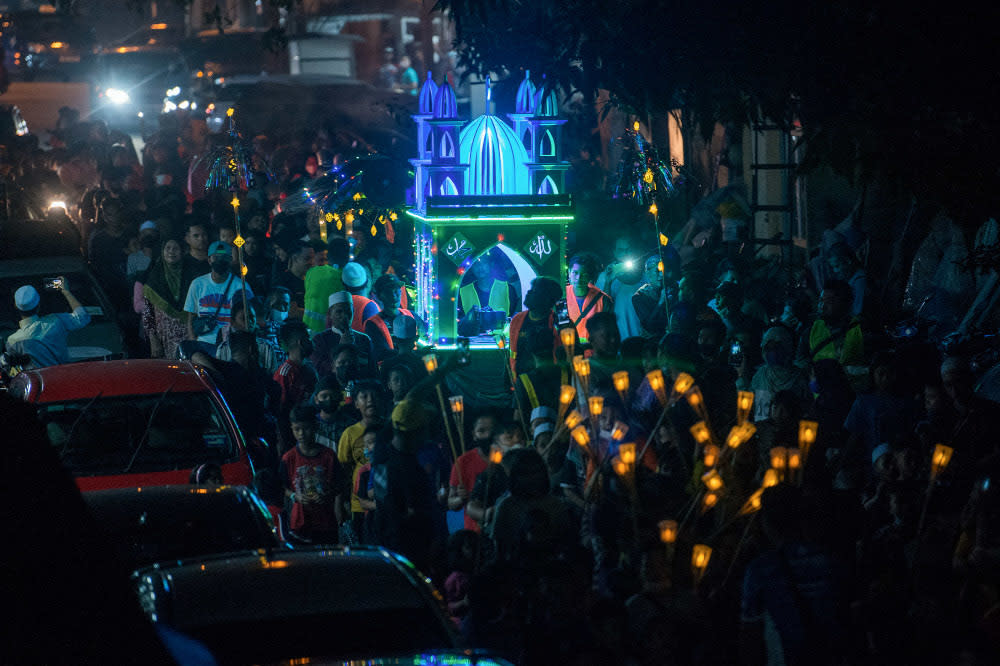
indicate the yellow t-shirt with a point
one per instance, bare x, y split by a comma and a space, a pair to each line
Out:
351, 453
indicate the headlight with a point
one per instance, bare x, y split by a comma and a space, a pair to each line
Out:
174, 92
117, 96
57, 204
168, 106
184, 105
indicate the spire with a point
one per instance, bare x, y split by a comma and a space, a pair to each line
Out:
427, 93
525, 102
546, 104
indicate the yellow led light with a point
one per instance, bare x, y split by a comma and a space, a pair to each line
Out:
239, 241
683, 383
235, 203
620, 380
663, 239
580, 435
243, 271
357, 196
700, 432
648, 176
712, 480
573, 419
374, 230
627, 453
653, 210
230, 111
635, 126
328, 217
668, 531
596, 405
393, 216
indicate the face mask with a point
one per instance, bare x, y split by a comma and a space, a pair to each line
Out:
279, 315
221, 267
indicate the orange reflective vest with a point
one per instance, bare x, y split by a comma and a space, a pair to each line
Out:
590, 308
360, 303
385, 329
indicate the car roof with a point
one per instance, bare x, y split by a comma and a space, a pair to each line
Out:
76, 381
255, 586
41, 266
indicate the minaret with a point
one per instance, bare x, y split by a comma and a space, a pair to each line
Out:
546, 165
524, 108
445, 170
424, 135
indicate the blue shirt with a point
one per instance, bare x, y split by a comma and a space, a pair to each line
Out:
45, 338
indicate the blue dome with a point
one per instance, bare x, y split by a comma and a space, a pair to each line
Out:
445, 104
525, 102
427, 93
495, 156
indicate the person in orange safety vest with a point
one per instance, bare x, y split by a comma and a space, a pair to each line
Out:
583, 299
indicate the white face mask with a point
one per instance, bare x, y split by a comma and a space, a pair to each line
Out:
279, 315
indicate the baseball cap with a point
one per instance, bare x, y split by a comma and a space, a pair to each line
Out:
354, 274
148, 224
218, 247
404, 327
408, 416
26, 298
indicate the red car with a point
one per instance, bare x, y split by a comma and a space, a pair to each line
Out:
127, 423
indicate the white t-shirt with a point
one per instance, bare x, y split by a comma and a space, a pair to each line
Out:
204, 296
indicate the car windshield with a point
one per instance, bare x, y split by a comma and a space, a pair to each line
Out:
52, 301
356, 634
138, 433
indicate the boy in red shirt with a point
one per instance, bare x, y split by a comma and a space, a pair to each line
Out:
469, 466
311, 476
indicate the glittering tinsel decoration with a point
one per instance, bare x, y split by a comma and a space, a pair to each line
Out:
641, 176
232, 164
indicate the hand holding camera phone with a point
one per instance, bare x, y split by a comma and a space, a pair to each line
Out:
55, 283
562, 314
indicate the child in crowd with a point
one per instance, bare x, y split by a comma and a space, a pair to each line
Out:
327, 398
310, 473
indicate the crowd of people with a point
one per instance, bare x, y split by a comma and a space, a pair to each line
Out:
837, 532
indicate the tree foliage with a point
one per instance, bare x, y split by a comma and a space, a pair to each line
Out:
898, 93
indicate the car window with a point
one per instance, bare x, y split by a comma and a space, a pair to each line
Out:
140, 433
147, 532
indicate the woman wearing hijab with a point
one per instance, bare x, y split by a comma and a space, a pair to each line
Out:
165, 288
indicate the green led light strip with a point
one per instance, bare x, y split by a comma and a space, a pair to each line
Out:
512, 218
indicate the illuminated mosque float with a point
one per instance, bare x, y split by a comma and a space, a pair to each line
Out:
490, 210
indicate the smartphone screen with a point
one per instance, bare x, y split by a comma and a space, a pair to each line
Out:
562, 314
462, 345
